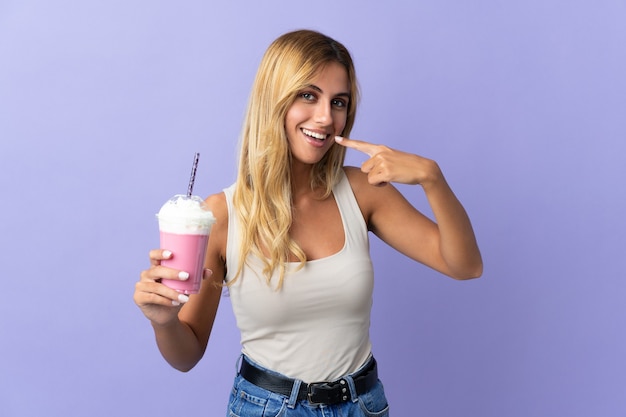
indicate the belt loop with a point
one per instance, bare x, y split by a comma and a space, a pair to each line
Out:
350, 380
238, 364
295, 390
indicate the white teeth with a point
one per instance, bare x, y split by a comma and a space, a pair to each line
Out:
313, 134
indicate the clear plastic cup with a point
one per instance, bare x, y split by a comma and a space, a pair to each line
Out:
184, 226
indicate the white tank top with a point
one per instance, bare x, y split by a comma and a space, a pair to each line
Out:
316, 327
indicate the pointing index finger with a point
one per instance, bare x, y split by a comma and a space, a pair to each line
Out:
359, 145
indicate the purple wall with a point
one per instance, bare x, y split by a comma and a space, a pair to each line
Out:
523, 104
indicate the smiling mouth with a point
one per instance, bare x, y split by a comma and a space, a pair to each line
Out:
314, 135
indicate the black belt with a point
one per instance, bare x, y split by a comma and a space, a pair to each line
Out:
318, 392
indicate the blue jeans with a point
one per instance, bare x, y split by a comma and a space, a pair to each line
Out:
249, 400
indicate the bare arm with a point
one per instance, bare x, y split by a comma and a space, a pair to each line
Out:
182, 332
183, 341
449, 245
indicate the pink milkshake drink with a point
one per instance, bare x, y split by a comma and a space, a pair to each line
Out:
184, 226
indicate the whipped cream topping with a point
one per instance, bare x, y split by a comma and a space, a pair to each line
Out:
185, 215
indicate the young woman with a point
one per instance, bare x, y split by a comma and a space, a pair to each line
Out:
291, 243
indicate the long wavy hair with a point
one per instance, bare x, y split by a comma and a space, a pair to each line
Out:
263, 195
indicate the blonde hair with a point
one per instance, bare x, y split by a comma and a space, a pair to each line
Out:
263, 195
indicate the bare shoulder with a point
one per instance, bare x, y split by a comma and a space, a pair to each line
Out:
355, 176
358, 182
219, 232
368, 196
217, 204
375, 201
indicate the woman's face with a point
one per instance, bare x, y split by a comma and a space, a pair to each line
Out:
318, 114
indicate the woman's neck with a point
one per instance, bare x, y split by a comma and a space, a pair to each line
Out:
301, 180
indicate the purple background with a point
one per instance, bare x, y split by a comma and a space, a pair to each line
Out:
523, 104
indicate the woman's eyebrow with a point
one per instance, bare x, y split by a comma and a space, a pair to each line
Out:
316, 88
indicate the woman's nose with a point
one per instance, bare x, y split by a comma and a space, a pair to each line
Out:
323, 114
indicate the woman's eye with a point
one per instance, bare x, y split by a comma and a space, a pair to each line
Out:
339, 103
307, 96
